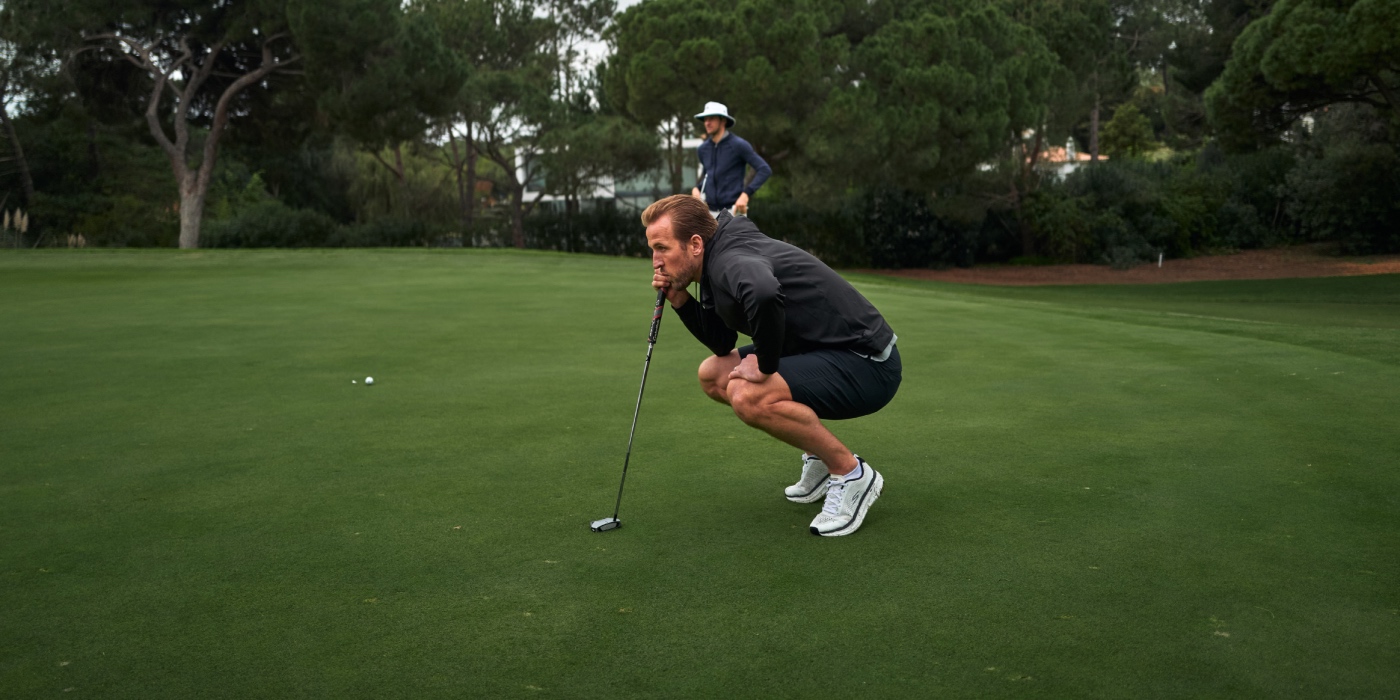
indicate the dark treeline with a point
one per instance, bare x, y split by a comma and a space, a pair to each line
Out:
901, 133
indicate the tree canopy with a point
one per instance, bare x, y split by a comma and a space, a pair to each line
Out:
457, 118
927, 97
1303, 56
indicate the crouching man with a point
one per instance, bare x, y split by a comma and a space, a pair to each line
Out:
820, 350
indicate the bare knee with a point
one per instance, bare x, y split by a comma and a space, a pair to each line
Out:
749, 404
714, 378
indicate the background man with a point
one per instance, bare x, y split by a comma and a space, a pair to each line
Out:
820, 350
723, 156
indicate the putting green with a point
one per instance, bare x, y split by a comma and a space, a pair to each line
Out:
1177, 491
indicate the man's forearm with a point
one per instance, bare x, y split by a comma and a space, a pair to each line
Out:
761, 171
768, 336
707, 327
764, 305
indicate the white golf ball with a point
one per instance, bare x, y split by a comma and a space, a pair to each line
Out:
369, 380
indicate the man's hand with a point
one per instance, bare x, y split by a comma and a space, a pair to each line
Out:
747, 370
677, 297
741, 205
695, 192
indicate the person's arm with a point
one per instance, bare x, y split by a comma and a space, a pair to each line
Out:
765, 306
697, 191
760, 167
706, 326
761, 173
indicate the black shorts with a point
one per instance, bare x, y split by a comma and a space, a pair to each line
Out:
839, 384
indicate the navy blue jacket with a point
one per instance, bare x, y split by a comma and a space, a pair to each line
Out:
723, 164
786, 300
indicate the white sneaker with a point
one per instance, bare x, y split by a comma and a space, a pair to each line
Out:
812, 486
847, 502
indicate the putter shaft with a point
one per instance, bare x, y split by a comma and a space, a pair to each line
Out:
651, 344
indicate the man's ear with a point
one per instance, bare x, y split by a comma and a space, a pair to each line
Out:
697, 245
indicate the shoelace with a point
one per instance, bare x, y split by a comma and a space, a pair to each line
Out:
832, 506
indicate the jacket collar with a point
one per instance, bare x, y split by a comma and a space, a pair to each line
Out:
706, 296
715, 144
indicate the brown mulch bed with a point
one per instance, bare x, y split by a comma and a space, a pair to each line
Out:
1296, 261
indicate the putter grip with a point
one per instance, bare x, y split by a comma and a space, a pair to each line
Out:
656, 315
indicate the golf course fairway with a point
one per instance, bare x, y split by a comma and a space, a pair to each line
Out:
1091, 492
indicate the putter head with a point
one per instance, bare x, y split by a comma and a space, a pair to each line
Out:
605, 524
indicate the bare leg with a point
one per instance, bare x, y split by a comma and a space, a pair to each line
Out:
768, 406
714, 375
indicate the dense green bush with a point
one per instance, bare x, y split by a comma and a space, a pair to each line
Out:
604, 229
118, 221
1346, 184
102, 182
901, 230
1128, 133
1127, 211
1253, 213
833, 234
387, 232
882, 228
271, 224
1113, 214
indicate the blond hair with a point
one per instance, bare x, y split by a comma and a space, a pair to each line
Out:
689, 217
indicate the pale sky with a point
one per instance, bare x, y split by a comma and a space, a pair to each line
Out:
596, 51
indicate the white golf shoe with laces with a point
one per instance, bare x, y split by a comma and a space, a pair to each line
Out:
848, 499
812, 486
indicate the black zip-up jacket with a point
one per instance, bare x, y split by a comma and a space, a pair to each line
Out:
783, 297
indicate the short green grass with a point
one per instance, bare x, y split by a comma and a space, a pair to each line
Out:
1095, 492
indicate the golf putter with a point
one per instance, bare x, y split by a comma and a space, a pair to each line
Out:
613, 523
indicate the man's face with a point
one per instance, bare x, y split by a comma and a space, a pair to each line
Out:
679, 261
713, 125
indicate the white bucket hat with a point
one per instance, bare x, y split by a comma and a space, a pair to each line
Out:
715, 109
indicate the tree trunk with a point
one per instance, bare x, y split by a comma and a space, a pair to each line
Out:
677, 156
465, 194
405, 206
1026, 186
1390, 97
397, 170
517, 215
570, 207
194, 71
1029, 162
191, 211
400, 177
1166, 98
1094, 131
26, 181
471, 179
458, 164
94, 155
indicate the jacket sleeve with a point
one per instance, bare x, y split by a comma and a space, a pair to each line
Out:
760, 167
707, 327
764, 305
